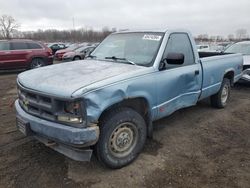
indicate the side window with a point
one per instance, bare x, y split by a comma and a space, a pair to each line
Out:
19, 46
4, 46
54, 46
88, 50
61, 45
180, 43
33, 45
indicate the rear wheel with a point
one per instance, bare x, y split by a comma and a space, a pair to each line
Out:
36, 63
220, 99
122, 137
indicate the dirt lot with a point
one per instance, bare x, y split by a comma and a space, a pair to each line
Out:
194, 147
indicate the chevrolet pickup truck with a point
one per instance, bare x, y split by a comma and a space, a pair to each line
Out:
107, 102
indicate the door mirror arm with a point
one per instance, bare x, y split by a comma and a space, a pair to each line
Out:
162, 65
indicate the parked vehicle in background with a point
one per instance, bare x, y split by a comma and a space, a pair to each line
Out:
203, 48
216, 48
110, 99
28, 54
68, 44
78, 54
243, 48
56, 46
59, 53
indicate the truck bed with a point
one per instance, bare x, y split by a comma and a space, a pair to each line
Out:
214, 66
210, 54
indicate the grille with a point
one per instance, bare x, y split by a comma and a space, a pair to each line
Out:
36, 104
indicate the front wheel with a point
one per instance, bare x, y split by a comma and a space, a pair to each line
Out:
220, 99
122, 137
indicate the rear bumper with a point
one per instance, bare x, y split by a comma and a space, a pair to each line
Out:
66, 140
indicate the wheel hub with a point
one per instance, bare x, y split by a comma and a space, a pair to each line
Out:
124, 137
122, 140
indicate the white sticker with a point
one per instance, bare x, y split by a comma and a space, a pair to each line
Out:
152, 37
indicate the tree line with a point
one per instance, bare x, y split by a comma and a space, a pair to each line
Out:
79, 35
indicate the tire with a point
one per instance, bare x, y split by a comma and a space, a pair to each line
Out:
122, 137
220, 99
36, 63
76, 58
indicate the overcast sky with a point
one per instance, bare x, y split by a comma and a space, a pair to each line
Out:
214, 17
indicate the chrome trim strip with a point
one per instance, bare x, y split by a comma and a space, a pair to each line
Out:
162, 104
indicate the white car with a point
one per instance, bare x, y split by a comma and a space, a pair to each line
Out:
244, 49
203, 48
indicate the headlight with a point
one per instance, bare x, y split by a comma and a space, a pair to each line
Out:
69, 119
72, 113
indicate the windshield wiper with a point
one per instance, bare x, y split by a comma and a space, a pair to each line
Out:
120, 58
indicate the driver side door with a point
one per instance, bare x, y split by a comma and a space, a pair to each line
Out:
178, 86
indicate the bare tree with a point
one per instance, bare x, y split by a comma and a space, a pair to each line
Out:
8, 25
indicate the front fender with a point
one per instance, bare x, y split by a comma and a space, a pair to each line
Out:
99, 100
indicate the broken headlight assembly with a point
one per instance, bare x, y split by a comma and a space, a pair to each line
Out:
72, 113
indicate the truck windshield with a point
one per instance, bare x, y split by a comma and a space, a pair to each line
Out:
243, 48
134, 48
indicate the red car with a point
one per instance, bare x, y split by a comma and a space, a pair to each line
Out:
28, 54
59, 53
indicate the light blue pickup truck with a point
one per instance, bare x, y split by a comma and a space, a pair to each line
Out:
108, 102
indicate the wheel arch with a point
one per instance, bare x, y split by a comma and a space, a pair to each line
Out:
77, 56
139, 104
35, 57
230, 75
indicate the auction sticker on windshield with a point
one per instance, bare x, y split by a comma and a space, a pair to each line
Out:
152, 37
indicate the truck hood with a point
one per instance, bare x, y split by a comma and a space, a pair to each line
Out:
64, 79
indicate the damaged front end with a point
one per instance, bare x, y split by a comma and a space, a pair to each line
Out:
246, 75
58, 123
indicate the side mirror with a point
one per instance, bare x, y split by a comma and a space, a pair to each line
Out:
174, 59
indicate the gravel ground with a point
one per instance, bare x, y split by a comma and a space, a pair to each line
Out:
194, 147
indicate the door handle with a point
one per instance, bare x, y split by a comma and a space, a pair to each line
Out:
196, 72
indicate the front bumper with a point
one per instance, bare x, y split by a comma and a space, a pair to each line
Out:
58, 57
65, 139
246, 75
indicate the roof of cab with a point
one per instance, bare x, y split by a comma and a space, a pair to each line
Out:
142, 31
152, 31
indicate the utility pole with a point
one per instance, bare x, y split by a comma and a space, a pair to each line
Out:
74, 34
73, 23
